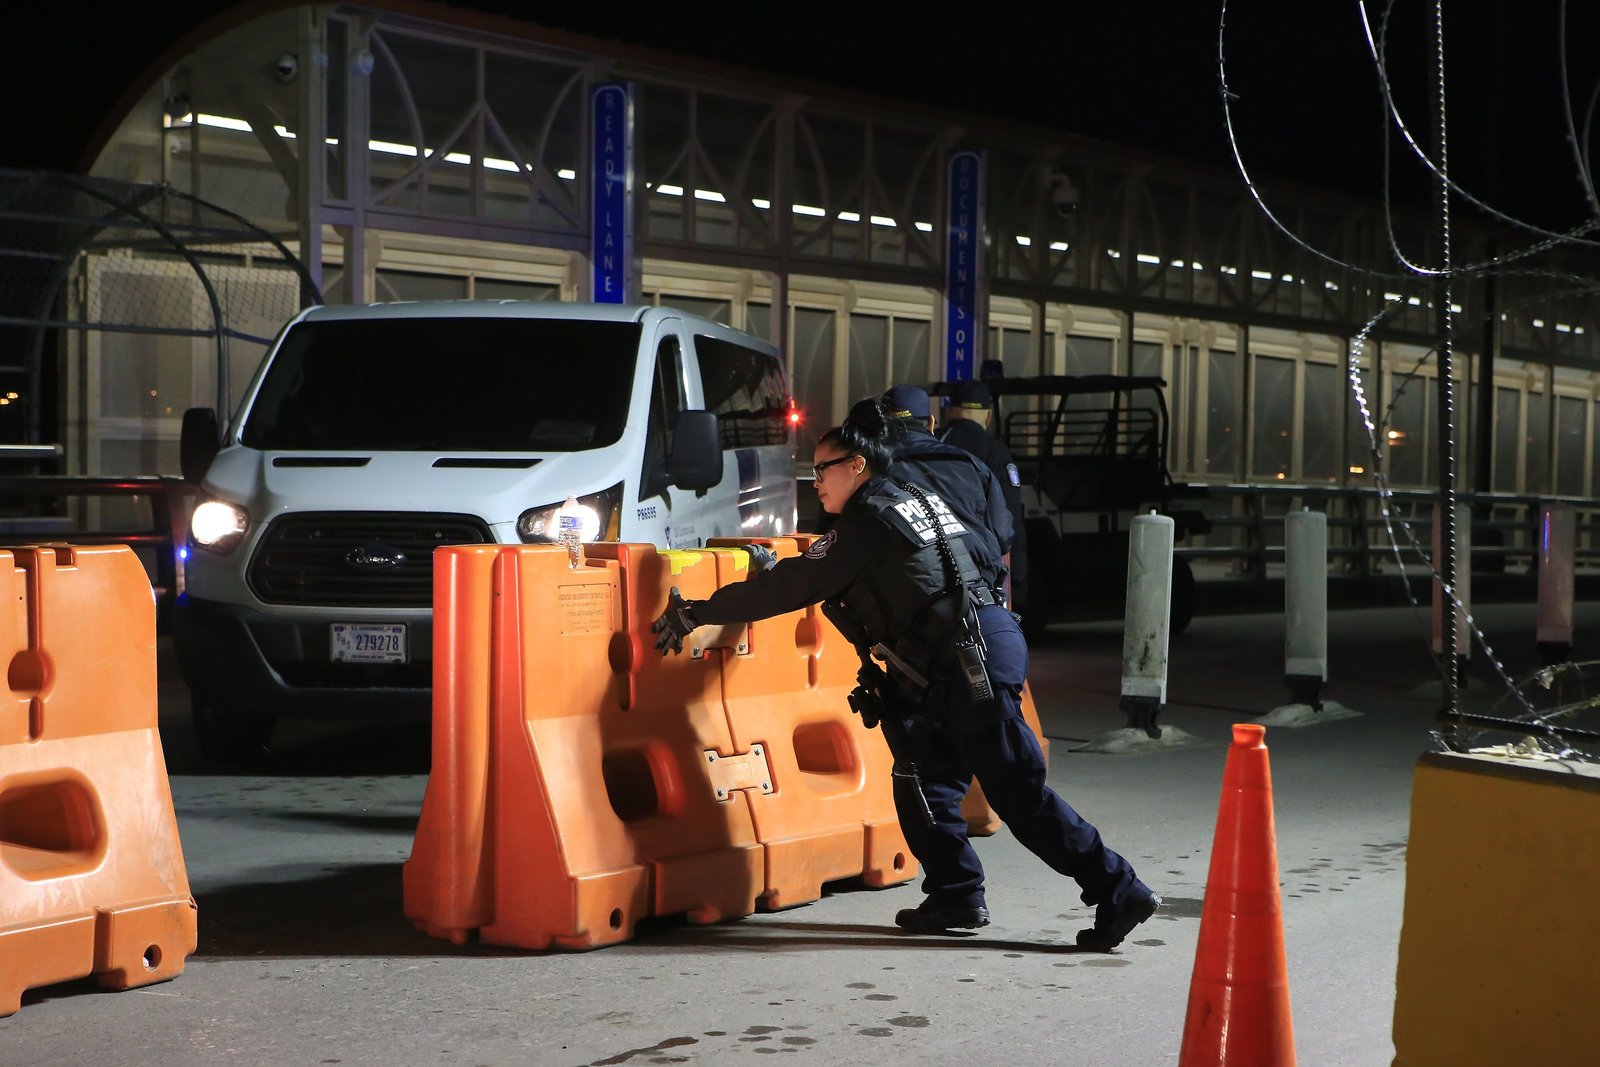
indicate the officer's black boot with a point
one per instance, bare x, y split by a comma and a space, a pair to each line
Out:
1114, 922
932, 917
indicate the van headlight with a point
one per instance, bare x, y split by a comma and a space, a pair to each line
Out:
597, 516
218, 526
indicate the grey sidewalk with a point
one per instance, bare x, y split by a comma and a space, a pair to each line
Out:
306, 958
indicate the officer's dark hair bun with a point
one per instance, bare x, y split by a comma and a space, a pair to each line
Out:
865, 432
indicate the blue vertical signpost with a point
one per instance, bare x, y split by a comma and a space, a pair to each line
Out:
611, 194
963, 265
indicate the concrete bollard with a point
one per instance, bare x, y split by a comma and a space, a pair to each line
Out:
1147, 622
1558, 539
1305, 605
1305, 624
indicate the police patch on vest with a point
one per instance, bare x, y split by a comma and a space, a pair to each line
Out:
1011, 472
820, 546
921, 526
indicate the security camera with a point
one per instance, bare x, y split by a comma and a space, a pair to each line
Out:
286, 66
1063, 194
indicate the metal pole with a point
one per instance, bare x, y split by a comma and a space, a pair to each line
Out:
1450, 713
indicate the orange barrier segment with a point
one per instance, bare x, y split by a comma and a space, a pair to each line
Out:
605, 787
447, 882
1238, 1010
92, 877
981, 818
831, 813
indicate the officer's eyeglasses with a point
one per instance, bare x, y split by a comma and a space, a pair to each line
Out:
818, 468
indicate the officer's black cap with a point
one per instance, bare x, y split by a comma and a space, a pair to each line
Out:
906, 402
970, 395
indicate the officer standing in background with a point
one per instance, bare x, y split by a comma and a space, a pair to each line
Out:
897, 575
971, 489
966, 426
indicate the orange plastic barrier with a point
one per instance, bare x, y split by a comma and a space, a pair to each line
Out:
580, 781
92, 878
832, 669
1239, 994
831, 814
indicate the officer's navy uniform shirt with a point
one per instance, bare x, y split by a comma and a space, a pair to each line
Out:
970, 436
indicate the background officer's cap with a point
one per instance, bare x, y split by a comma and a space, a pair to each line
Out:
970, 395
906, 402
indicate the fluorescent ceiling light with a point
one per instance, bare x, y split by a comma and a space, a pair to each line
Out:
222, 123
1145, 257
711, 195
807, 209
392, 149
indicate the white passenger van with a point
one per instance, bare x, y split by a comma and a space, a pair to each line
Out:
372, 435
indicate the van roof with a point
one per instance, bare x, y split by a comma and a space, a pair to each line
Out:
526, 309
433, 309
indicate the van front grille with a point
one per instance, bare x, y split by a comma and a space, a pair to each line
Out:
356, 558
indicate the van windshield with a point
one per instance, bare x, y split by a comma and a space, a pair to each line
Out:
447, 385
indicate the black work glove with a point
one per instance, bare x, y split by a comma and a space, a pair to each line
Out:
676, 623
762, 558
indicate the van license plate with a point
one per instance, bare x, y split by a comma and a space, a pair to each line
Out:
366, 643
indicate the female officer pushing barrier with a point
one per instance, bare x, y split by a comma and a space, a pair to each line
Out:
895, 575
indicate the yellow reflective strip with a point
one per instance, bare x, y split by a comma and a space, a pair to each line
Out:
680, 559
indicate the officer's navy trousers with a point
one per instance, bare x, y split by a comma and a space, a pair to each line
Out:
955, 741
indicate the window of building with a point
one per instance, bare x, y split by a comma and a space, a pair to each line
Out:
1570, 429
1222, 415
1507, 436
1272, 447
1324, 405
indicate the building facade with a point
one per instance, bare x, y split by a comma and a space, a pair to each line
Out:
424, 152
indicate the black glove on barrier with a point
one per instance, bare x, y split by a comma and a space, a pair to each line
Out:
676, 623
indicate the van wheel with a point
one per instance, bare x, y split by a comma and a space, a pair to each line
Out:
235, 736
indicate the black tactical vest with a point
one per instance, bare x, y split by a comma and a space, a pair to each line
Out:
907, 600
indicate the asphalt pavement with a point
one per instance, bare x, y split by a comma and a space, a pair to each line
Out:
305, 956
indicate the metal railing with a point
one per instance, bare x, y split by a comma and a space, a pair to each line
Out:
151, 517
1248, 520
1247, 524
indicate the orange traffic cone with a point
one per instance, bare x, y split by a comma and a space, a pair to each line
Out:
1239, 995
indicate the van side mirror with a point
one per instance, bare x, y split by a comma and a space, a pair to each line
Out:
198, 445
696, 460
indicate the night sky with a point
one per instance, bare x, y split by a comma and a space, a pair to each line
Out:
1145, 74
